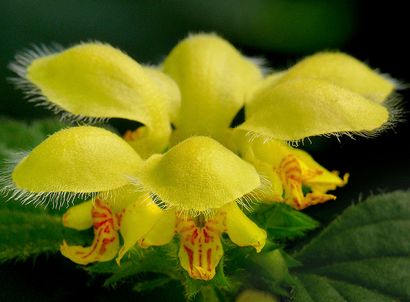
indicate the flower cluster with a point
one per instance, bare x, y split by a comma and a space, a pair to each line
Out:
187, 170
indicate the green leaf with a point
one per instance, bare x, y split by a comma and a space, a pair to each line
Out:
364, 255
29, 231
283, 222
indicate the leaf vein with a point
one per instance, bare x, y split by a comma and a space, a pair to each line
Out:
378, 291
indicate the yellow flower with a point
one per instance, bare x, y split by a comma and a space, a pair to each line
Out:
144, 223
148, 225
290, 172
188, 179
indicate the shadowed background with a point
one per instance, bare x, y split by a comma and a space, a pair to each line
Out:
282, 31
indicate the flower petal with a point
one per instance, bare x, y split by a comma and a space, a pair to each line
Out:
118, 200
213, 78
98, 80
269, 158
79, 217
324, 180
295, 174
241, 230
80, 159
169, 88
138, 219
265, 157
106, 240
297, 109
146, 142
272, 189
198, 174
200, 247
344, 71
162, 232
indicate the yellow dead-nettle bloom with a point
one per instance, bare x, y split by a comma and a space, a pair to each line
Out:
188, 179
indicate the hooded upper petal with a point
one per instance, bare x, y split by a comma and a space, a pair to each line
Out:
98, 80
293, 110
79, 159
169, 88
198, 174
213, 78
95, 80
344, 71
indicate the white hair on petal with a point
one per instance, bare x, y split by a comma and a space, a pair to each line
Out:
33, 94
57, 199
24, 58
137, 184
398, 84
151, 196
262, 63
248, 200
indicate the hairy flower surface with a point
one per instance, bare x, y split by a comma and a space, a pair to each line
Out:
185, 171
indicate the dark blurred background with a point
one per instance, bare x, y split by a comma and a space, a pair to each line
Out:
282, 31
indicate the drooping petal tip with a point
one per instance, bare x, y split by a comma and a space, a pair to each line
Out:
145, 223
243, 231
